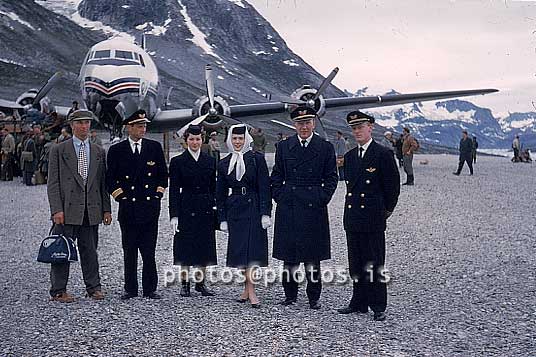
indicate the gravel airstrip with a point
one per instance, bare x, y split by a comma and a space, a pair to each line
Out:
460, 253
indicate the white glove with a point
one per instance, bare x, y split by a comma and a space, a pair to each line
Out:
223, 227
266, 222
175, 224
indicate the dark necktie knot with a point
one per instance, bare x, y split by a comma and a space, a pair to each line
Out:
136, 148
303, 143
361, 152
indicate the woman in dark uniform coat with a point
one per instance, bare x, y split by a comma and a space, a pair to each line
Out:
244, 207
191, 208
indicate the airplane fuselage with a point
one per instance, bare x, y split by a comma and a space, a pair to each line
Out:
117, 78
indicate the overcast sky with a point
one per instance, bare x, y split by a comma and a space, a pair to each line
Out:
417, 45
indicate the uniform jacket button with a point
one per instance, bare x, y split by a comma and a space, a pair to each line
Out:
367, 182
149, 174
310, 188
134, 199
146, 186
148, 198
126, 177
350, 194
362, 206
132, 188
310, 205
362, 195
349, 206
193, 214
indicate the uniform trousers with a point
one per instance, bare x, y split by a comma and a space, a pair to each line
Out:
87, 240
142, 237
465, 159
366, 257
313, 275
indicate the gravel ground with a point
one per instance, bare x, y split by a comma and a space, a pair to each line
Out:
460, 255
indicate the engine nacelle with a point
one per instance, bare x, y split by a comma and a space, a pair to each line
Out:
27, 97
202, 107
307, 93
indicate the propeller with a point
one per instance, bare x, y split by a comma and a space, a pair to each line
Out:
310, 102
46, 88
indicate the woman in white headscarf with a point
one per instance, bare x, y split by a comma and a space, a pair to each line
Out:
244, 207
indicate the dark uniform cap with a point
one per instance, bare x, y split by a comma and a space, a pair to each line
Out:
81, 114
239, 130
194, 130
356, 117
302, 114
136, 118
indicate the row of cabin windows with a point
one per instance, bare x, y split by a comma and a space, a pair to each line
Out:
117, 54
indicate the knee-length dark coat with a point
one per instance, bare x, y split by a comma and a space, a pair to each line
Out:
303, 182
191, 199
243, 209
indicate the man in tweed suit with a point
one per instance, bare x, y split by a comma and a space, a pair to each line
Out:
79, 202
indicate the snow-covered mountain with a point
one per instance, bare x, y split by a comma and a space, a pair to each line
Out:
441, 122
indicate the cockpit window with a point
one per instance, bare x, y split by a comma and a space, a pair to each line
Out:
102, 54
123, 54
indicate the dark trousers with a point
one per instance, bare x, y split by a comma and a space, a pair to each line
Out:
366, 257
142, 237
341, 173
87, 239
468, 160
27, 177
7, 168
312, 274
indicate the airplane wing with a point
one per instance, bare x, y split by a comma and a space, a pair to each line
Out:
10, 104
171, 119
387, 100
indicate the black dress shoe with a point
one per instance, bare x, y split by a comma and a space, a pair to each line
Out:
315, 305
288, 301
200, 287
455, 173
153, 296
128, 295
185, 290
348, 310
379, 316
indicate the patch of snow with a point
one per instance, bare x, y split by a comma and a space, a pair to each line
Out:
256, 53
255, 89
387, 123
220, 77
522, 123
276, 49
291, 63
499, 152
69, 9
126, 6
270, 37
199, 38
16, 17
238, 3
5, 60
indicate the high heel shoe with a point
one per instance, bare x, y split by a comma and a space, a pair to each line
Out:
241, 300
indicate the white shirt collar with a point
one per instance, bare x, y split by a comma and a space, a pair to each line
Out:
195, 154
308, 139
132, 146
365, 146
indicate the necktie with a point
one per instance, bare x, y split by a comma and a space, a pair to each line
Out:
136, 149
82, 161
361, 152
303, 143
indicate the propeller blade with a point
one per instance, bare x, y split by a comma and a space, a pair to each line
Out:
210, 85
326, 83
290, 100
46, 88
286, 125
196, 121
320, 130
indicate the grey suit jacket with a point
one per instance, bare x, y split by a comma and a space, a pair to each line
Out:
65, 187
